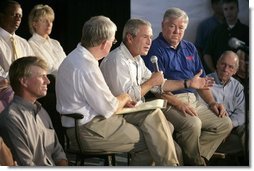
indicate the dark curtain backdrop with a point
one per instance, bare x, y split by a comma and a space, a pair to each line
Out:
70, 16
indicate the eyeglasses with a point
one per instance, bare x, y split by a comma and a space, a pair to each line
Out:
13, 15
114, 42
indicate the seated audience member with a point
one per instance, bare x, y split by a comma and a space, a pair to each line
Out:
230, 92
12, 45
81, 88
5, 155
199, 129
207, 26
218, 40
40, 22
125, 71
24, 124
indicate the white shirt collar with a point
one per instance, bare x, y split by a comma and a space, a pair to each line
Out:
6, 35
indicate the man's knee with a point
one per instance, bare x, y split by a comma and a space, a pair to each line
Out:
193, 124
227, 125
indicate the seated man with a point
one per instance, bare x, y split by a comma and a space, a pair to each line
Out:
230, 92
81, 88
25, 124
12, 46
125, 71
199, 130
10, 19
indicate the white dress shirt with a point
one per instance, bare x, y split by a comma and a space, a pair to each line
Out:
6, 52
81, 88
49, 49
125, 73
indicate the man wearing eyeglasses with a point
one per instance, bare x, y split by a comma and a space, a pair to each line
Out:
10, 19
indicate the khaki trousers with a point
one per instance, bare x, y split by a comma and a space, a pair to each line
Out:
198, 135
146, 135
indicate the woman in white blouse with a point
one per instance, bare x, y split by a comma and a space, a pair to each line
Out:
40, 21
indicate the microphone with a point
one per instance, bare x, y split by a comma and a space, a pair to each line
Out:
238, 44
154, 61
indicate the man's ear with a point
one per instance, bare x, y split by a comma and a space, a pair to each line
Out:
129, 38
23, 82
103, 44
235, 71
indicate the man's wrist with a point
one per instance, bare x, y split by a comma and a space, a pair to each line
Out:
162, 85
185, 83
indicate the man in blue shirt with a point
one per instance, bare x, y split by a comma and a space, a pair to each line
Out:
230, 92
199, 129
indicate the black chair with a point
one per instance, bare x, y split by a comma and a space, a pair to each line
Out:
49, 103
81, 154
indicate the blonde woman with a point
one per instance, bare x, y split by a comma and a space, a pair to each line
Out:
40, 21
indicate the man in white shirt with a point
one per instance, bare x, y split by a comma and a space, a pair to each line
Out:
124, 70
10, 19
81, 88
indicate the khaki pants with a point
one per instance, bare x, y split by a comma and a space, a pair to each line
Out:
146, 135
198, 135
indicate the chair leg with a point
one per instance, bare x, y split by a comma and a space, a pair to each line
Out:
110, 160
107, 160
80, 161
113, 161
128, 159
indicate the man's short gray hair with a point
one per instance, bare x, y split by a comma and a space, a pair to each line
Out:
132, 26
96, 30
176, 13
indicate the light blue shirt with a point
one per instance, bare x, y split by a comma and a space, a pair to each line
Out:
232, 96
